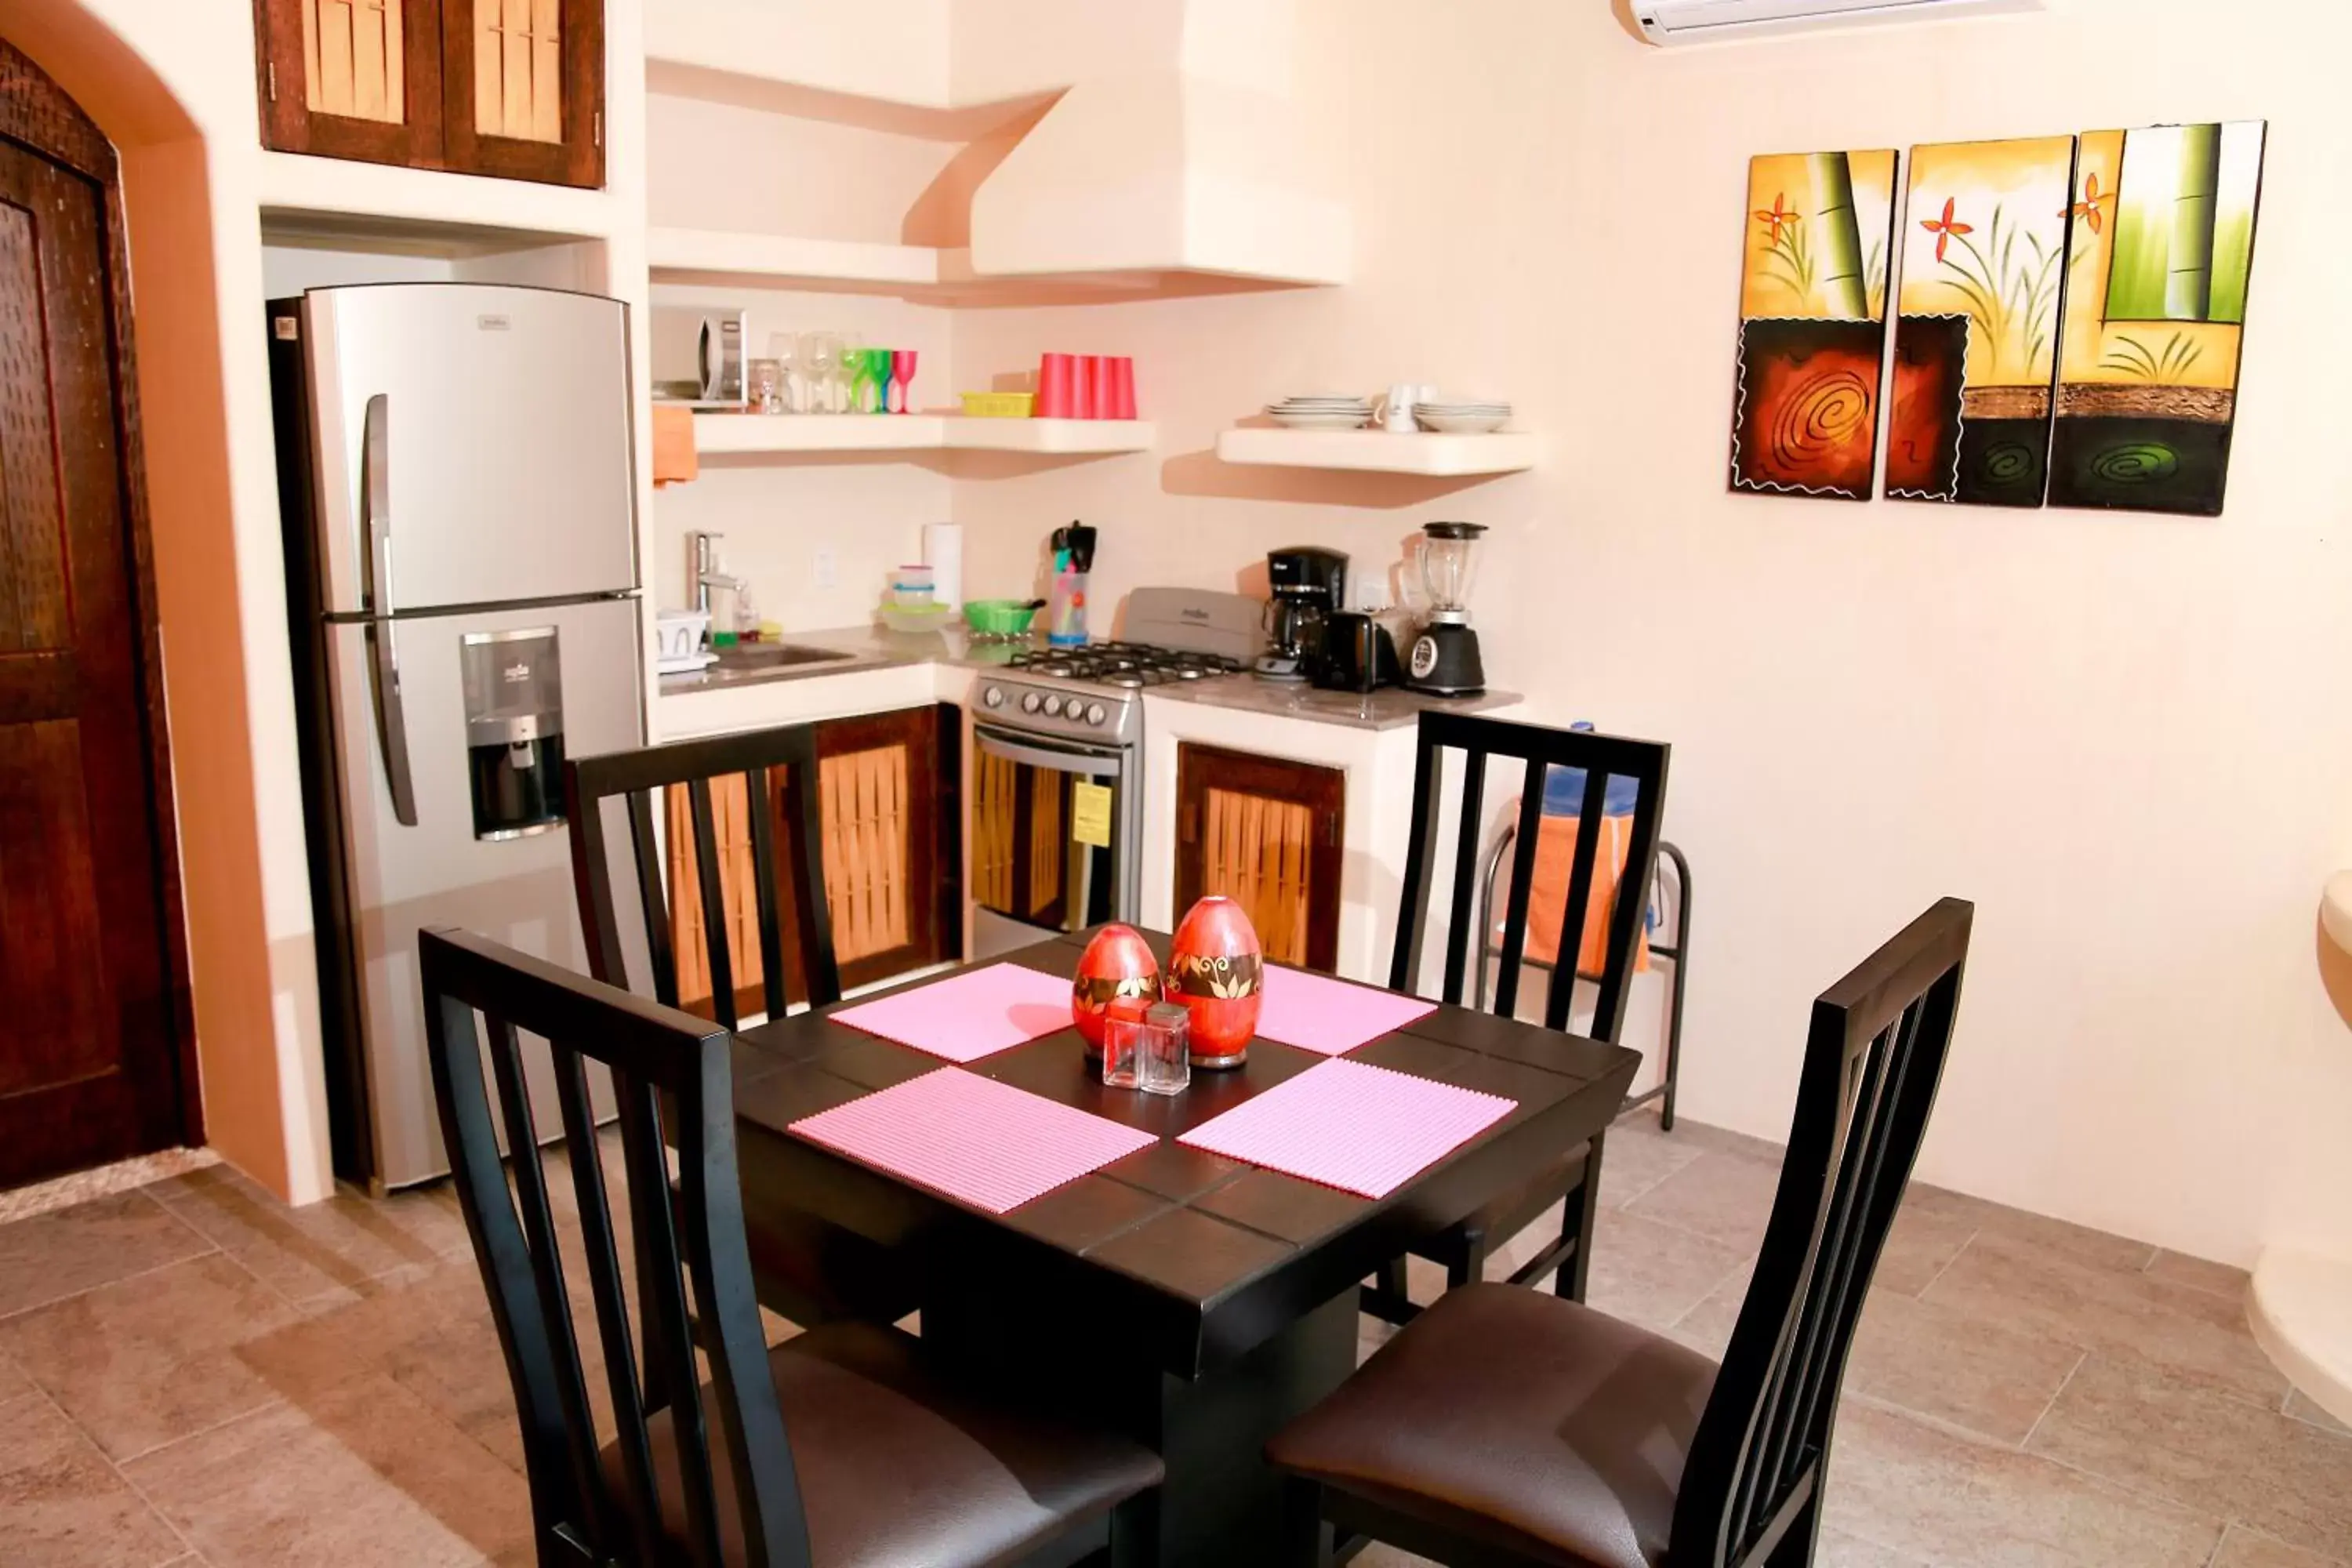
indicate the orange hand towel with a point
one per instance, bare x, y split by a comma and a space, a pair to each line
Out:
675, 459
1547, 892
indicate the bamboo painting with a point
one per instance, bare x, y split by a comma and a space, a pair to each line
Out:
1813, 323
1975, 337
2155, 316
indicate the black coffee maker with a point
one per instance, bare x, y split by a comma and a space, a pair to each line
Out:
1307, 584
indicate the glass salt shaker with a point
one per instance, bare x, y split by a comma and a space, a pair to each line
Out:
1165, 1049
1122, 1057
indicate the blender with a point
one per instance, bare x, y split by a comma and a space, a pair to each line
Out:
1445, 656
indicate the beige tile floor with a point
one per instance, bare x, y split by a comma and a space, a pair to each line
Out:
192, 1374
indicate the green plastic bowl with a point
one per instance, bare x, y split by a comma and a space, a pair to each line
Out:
998, 618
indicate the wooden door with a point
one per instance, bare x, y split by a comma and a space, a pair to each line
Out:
886, 794
1266, 832
95, 1053
523, 89
352, 79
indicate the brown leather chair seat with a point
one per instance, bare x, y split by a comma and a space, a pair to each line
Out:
1512, 1417
897, 1466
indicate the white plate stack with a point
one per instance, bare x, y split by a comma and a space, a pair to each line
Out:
1467, 416
1324, 411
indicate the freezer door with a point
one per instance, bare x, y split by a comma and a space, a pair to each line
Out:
452, 867
473, 444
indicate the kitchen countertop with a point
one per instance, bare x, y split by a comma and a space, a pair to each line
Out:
876, 646
1390, 708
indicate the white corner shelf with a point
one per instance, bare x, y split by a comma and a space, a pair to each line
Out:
1379, 451
683, 255
752, 435
461, 214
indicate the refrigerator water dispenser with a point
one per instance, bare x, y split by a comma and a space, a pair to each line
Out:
514, 730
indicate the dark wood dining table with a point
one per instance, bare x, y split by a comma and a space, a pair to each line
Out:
1194, 1302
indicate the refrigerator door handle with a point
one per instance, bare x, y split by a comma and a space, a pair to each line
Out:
390, 718
383, 636
375, 505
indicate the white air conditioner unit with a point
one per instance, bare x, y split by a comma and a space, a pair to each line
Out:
1724, 21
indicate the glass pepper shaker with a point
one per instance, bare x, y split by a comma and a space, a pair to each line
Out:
1165, 1049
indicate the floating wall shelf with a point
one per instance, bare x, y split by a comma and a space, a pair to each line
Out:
726, 435
1377, 451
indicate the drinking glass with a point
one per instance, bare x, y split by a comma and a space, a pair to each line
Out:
785, 349
820, 356
902, 371
849, 368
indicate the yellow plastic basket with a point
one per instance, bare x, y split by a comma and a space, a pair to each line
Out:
999, 405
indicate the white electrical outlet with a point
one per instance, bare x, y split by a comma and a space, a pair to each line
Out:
828, 568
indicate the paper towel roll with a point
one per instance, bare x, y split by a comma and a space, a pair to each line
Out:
943, 554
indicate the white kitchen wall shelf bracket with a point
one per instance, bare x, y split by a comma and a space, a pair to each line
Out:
1379, 451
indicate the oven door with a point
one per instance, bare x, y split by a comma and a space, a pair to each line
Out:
1056, 834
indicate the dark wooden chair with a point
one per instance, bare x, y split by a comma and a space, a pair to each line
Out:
1508, 1427
809, 1271
842, 1446
1573, 1181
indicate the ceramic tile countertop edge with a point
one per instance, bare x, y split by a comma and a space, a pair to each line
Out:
882, 669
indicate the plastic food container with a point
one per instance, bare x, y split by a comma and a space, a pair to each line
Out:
998, 617
999, 405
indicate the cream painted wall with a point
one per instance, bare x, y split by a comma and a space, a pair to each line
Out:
2122, 736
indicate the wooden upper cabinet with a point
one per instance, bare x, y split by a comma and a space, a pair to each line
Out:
1266, 832
523, 89
513, 88
352, 79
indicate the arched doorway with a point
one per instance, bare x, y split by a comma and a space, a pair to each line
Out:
96, 1048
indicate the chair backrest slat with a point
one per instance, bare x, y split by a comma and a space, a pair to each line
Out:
1524, 840
673, 1088
609, 1293
554, 1300
1576, 908
639, 776
1874, 1059
763, 869
1459, 923
644, 849
1600, 758
717, 946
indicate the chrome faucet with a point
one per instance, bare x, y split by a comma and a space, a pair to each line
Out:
704, 572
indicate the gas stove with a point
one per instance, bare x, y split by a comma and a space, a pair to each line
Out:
1130, 666
1091, 692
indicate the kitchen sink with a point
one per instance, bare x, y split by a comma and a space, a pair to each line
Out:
778, 656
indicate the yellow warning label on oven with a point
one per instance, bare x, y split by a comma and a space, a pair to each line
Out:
1090, 814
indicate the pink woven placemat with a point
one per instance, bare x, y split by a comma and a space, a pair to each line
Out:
1350, 1125
1316, 1013
972, 1139
967, 1017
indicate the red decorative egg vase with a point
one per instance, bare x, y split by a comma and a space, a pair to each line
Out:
1214, 968
1117, 963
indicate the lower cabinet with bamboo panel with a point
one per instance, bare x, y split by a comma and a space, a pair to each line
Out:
1265, 832
890, 800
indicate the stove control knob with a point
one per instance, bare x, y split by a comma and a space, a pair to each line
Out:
1052, 707
1028, 702
1095, 713
993, 697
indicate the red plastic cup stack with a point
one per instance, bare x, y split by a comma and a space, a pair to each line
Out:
1057, 389
1085, 386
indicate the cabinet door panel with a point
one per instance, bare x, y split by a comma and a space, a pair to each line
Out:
352, 79
890, 859
1265, 834
524, 88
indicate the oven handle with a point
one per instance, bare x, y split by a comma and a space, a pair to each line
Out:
1093, 764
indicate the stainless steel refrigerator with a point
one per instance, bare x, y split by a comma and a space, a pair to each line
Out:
455, 469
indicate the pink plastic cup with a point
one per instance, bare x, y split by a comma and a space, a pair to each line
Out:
1123, 388
1098, 373
1056, 387
1082, 386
